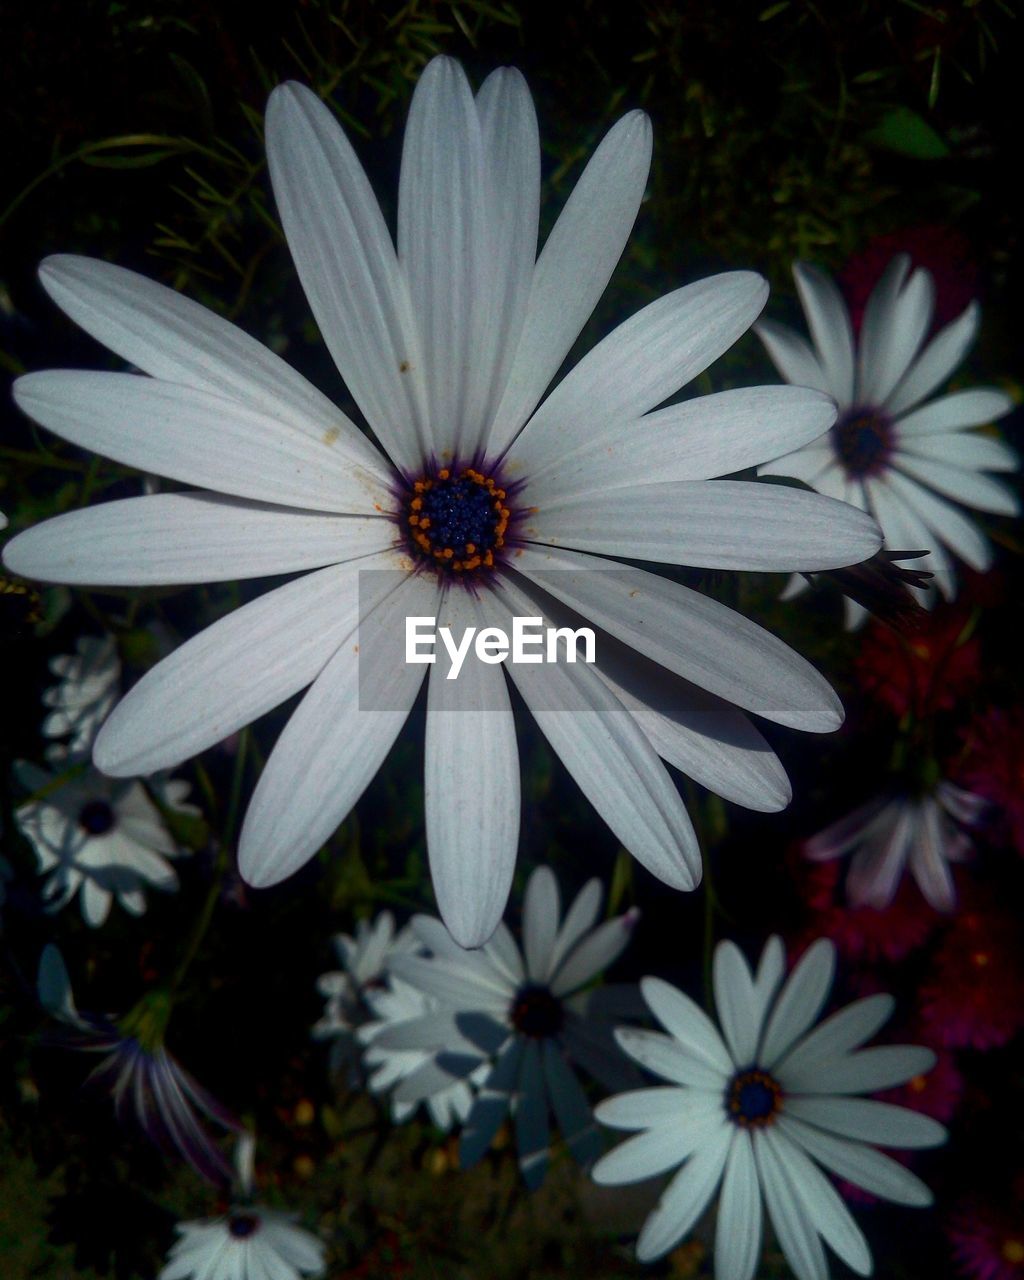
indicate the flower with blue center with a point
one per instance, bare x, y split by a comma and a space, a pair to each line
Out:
484, 500
87, 691
754, 1106
908, 460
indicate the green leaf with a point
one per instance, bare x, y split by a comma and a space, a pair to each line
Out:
905, 132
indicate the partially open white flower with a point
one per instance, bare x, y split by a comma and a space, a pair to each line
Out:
480, 499
90, 684
892, 451
753, 1109
101, 836
893, 834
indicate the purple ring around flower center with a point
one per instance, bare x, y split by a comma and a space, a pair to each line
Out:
864, 439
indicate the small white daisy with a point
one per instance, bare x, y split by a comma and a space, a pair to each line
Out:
483, 497
890, 835
527, 1013
751, 1108
398, 1002
890, 452
250, 1242
90, 684
363, 961
101, 836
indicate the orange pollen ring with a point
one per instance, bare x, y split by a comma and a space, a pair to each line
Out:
470, 555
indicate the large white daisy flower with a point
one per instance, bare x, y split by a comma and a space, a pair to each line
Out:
478, 492
90, 682
101, 836
892, 451
893, 834
753, 1106
526, 1011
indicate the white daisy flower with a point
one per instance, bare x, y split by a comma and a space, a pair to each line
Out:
892, 451
526, 1012
103, 836
752, 1107
363, 961
397, 1002
890, 835
90, 683
250, 1242
475, 497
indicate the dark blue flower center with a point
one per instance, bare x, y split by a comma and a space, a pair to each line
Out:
863, 439
243, 1225
96, 817
753, 1099
536, 1012
458, 518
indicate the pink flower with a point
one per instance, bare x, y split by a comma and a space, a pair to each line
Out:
988, 1242
974, 997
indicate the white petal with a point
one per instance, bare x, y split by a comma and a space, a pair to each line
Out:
659, 1108
721, 524
471, 795
945, 521
792, 355
859, 1164
348, 268
199, 439
867, 1071
738, 1230
575, 265
969, 487
572, 1110
531, 1118
793, 1228
822, 1205
877, 369
955, 412
177, 340
696, 732
686, 1197
240, 667
332, 746
868, 1121
501, 950
876, 868
462, 984
645, 360
511, 152
188, 537
800, 1001
673, 1061
491, 1104
689, 1024
812, 464
937, 361
699, 439
844, 1030
928, 859
606, 752
647, 1154
691, 635
541, 910
971, 449
910, 320
445, 255
739, 1010
597, 952
579, 919
829, 322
